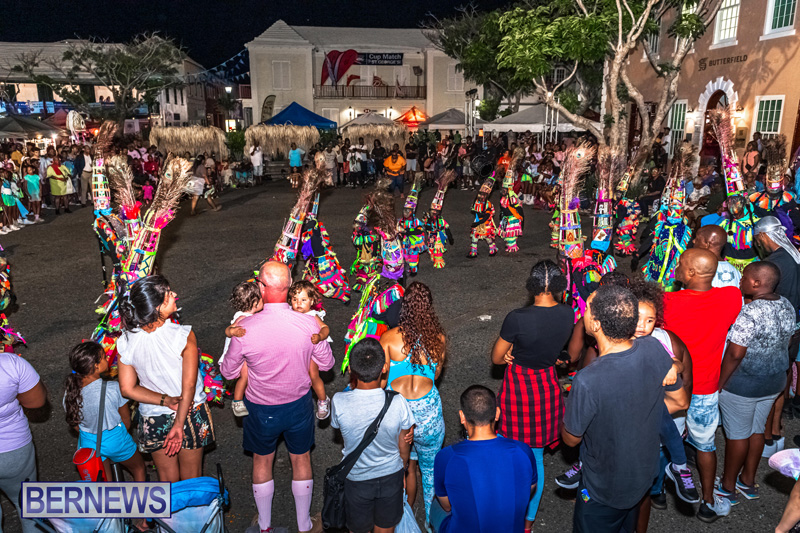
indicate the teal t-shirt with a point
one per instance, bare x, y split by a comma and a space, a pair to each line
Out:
32, 180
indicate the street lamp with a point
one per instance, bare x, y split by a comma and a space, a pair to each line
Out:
228, 89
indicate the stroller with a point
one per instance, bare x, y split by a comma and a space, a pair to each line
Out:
197, 507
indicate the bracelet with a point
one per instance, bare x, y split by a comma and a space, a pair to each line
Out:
163, 397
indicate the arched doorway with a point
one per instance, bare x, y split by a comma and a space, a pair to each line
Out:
709, 147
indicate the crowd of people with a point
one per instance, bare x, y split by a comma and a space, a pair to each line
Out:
706, 341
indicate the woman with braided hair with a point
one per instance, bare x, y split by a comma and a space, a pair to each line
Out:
415, 351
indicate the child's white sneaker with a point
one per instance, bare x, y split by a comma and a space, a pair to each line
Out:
323, 408
239, 408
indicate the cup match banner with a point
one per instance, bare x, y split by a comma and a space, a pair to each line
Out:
96, 500
337, 63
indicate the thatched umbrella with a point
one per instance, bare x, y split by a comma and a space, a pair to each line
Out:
372, 126
279, 137
192, 139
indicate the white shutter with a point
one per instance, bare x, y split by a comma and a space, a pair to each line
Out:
455, 79
402, 75
281, 75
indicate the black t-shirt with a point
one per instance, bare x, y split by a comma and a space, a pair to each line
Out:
379, 154
789, 286
411, 152
657, 185
538, 334
616, 405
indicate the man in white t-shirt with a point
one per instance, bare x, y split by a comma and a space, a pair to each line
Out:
330, 160
257, 159
713, 239
360, 151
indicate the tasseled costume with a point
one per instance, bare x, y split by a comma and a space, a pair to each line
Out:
437, 233
483, 226
367, 243
631, 213
412, 229
322, 267
511, 220
768, 201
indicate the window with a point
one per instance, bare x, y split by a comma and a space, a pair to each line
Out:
727, 22
455, 79
176, 117
166, 95
175, 95
281, 75
559, 73
677, 125
331, 113
654, 39
181, 96
768, 115
780, 16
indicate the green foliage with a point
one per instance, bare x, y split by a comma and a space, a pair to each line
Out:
327, 137
236, 142
488, 108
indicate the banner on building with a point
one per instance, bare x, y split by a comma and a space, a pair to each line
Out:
267, 108
337, 63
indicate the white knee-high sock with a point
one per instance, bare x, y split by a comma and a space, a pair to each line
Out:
302, 491
263, 493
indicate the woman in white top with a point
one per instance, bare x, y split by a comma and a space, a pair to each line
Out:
159, 368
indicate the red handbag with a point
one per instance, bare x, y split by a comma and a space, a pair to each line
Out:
88, 460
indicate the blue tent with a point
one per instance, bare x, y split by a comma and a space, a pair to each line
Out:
296, 115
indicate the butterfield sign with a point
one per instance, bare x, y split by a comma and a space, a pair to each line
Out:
704, 62
95, 500
380, 59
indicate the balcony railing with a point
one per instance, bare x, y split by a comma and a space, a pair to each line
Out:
369, 91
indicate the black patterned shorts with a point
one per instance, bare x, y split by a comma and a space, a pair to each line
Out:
198, 429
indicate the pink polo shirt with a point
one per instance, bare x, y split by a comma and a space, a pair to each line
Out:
278, 350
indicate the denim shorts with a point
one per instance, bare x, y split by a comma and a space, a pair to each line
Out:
266, 423
702, 420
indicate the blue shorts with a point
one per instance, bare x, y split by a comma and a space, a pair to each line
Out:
117, 444
266, 423
702, 420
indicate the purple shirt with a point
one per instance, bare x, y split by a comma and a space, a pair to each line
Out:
16, 376
278, 351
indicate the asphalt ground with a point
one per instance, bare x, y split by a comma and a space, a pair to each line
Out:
57, 277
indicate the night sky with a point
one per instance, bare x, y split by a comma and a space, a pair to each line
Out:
210, 31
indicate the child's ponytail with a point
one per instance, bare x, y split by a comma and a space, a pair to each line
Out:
82, 359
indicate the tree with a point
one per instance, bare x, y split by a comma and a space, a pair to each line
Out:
578, 33
474, 38
134, 72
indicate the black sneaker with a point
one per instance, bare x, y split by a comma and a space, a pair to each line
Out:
571, 478
684, 484
719, 507
658, 501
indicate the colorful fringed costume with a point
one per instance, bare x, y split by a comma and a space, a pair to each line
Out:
583, 277
774, 196
379, 307
437, 230
628, 212
412, 230
511, 219
483, 226
602, 230
367, 243
322, 267
739, 250
672, 233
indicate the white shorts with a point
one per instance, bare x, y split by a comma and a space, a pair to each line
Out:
411, 164
702, 419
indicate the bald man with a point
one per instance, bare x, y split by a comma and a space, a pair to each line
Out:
278, 351
713, 239
700, 315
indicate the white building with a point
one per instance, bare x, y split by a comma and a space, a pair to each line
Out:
340, 73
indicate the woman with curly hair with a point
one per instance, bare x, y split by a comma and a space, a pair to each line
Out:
415, 351
530, 342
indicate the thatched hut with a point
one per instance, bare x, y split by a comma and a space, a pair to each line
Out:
279, 138
372, 126
192, 139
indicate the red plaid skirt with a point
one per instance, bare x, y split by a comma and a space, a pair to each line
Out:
531, 406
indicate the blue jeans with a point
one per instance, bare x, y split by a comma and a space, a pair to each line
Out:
533, 505
397, 183
658, 486
671, 439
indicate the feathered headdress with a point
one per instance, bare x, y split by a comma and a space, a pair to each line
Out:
607, 165
286, 248
577, 162
673, 198
381, 207
777, 164
443, 183
513, 165
723, 130
413, 196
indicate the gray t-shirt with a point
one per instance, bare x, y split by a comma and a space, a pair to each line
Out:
91, 406
353, 412
764, 327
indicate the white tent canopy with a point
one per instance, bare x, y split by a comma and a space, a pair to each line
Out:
368, 119
452, 119
535, 119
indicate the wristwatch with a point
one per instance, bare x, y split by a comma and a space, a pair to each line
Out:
163, 397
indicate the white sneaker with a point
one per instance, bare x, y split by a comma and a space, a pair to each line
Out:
27, 222
239, 408
4, 230
323, 408
710, 512
13, 227
770, 450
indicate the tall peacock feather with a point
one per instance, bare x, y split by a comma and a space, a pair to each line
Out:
723, 129
577, 162
673, 198
777, 164
513, 166
289, 242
